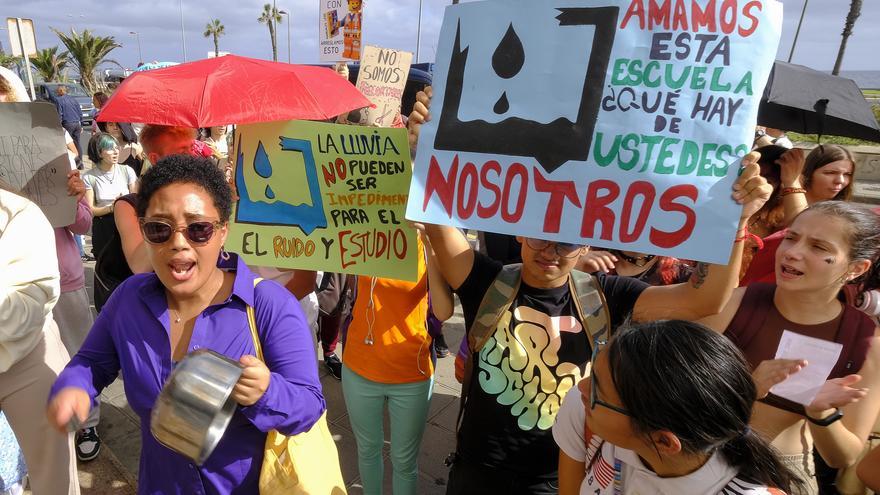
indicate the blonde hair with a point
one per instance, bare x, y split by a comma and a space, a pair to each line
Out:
13, 86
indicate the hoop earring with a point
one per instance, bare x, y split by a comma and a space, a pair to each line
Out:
224, 254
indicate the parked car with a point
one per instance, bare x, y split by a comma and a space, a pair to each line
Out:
45, 92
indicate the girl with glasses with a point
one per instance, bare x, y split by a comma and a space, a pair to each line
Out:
196, 298
665, 410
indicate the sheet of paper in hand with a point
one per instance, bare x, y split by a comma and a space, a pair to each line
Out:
382, 78
33, 158
323, 197
821, 356
614, 123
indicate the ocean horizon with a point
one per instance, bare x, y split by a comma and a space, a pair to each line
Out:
865, 79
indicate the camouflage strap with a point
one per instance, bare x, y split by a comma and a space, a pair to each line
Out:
591, 305
592, 312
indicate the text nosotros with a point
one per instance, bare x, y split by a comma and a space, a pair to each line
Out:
460, 188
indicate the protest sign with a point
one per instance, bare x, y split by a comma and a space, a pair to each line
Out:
33, 158
382, 78
613, 123
339, 30
323, 197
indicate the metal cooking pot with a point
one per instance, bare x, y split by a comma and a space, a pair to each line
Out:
195, 407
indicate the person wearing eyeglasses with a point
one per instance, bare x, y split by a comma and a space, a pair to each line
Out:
651, 269
196, 298
629, 429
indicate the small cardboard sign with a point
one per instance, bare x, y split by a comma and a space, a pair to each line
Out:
339, 30
33, 158
382, 78
324, 197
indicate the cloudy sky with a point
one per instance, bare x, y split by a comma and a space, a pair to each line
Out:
389, 23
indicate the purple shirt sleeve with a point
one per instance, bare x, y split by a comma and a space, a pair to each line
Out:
293, 402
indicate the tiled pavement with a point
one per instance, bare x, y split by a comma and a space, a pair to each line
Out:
115, 470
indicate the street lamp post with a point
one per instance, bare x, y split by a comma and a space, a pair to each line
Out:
798, 30
140, 54
182, 31
285, 13
419, 32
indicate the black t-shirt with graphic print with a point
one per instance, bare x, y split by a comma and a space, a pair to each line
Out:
538, 352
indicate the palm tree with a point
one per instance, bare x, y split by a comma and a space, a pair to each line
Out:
855, 10
87, 53
9, 61
215, 29
50, 64
271, 17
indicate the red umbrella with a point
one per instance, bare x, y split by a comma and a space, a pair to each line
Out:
231, 90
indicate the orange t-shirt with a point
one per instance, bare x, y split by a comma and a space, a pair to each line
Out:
401, 349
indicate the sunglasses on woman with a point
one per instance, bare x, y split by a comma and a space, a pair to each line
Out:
160, 231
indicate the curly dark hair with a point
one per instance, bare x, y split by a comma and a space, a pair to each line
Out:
187, 169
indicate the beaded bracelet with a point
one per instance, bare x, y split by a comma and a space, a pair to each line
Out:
792, 190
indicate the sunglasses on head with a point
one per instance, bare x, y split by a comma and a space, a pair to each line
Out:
160, 231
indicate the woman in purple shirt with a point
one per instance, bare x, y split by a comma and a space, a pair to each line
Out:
192, 301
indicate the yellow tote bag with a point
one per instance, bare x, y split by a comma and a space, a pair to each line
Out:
302, 464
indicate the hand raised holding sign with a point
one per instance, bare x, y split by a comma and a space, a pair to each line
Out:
419, 116
75, 185
751, 189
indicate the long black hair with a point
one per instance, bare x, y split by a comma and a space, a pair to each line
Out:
125, 129
863, 236
681, 377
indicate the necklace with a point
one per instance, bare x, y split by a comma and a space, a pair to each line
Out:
635, 260
176, 318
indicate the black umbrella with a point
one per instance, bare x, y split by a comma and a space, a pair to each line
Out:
804, 100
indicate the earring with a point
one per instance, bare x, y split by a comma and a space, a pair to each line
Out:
224, 254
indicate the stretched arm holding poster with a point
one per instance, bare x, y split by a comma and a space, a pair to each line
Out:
706, 293
711, 285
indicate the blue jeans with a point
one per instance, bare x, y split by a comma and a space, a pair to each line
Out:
408, 410
79, 243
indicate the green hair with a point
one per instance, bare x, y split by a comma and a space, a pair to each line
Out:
99, 143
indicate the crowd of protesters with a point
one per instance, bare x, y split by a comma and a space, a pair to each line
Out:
583, 371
